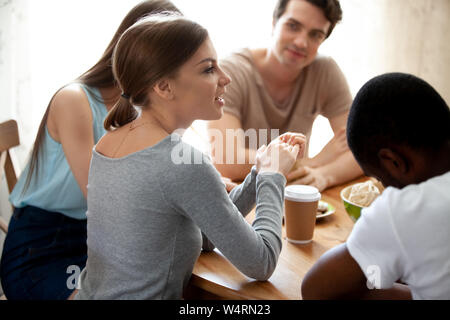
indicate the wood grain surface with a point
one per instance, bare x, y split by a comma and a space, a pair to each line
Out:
214, 277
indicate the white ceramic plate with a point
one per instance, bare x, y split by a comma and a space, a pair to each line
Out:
331, 210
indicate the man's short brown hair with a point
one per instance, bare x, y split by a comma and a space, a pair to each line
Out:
331, 9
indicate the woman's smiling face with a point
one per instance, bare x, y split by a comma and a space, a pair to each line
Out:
199, 85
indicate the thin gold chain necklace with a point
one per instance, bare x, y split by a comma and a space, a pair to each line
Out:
132, 127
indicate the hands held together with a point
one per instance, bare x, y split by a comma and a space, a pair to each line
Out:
285, 155
311, 171
281, 154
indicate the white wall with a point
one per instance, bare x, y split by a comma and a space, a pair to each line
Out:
378, 36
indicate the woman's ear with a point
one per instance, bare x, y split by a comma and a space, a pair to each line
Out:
163, 88
394, 163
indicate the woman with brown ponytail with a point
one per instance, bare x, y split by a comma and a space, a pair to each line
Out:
151, 195
46, 241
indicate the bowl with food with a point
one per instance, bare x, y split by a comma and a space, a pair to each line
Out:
359, 196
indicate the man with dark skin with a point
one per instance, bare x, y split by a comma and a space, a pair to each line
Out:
399, 132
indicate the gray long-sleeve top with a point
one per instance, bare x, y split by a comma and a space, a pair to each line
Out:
146, 214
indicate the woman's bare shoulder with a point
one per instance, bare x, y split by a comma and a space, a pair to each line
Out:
69, 108
108, 144
70, 94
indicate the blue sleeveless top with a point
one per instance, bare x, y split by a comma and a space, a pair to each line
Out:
56, 189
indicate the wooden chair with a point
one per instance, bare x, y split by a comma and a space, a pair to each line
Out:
9, 138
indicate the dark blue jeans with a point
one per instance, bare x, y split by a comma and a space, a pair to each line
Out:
40, 252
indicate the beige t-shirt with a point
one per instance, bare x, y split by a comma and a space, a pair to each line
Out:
321, 89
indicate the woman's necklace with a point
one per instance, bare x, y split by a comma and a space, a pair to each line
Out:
131, 128
134, 126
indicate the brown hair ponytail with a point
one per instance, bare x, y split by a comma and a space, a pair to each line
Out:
122, 113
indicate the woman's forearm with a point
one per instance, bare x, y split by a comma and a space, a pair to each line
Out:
238, 169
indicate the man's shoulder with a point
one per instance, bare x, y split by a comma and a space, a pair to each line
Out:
238, 61
430, 193
416, 201
323, 62
325, 72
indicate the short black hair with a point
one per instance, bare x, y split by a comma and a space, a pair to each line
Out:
331, 9
396, 109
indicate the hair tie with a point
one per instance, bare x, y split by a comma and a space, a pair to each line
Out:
125, 96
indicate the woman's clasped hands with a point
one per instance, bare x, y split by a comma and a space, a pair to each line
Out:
281, 154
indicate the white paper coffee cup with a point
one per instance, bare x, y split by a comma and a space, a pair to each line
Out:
300, 212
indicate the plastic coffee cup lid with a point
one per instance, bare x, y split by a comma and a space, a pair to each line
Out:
301, 193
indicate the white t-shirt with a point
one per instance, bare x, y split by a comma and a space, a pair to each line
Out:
405, 236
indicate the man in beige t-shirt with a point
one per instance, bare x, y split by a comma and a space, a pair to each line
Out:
284, 88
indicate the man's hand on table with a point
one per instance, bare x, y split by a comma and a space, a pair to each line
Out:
308, 176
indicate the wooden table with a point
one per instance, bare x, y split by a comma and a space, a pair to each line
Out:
214, 277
